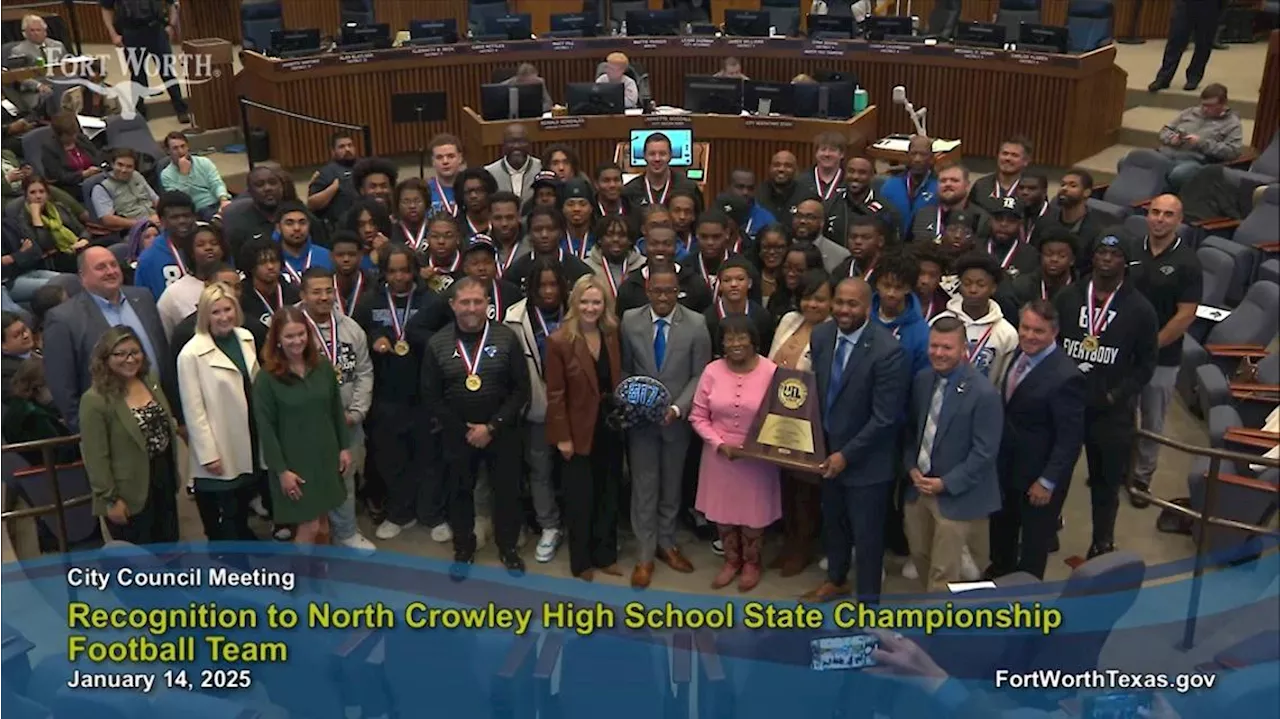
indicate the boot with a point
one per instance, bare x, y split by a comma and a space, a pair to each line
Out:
732, 540
751, 541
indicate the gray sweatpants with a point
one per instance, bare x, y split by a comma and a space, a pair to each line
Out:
1153, 405
540, 457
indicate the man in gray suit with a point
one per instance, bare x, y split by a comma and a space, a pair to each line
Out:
74, 327
37, 45
516, 169
956, 420
665, 341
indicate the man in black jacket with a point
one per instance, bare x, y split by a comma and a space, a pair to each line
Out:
1109, 329
780, 193
476, 385
660, 251
1005, 242
859, 199
655, 185
1074, 214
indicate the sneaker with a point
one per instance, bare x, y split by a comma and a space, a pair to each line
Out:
513, 562
823, 564
259, 508
909, 570
717, 547
968, 568
461, 567
184, 117
853, 559
442, 533
283, 533
548, 543
358, 543
390, 530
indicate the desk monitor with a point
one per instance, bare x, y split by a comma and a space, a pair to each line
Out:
427, 32
830, 27
981, 34
652, 22
827, 100
295, 43
681, 146
590, 98
573, 24
511, 102
747, 23
708, 95
356, 36
877, 28
764, 98
1046, 38
514, 27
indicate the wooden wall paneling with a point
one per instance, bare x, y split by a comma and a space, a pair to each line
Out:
399, 13
89, 16
1267, 120
323, 14
211, 18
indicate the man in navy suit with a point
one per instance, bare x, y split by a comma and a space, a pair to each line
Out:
863, 376
1043, 392
955, 423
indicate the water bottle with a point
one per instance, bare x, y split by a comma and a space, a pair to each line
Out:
860, 100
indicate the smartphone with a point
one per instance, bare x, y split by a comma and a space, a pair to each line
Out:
852, 652
1116, 706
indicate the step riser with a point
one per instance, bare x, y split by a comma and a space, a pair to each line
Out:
1177, 102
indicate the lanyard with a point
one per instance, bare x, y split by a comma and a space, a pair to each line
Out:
453, 266
1008, 257
473, 363
271, 311
177, 259
414, 239
1098, 319
982, 342
450, 207
826, 190
398, 324
295, 275
329, 348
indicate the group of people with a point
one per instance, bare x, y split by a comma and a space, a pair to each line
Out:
448, 348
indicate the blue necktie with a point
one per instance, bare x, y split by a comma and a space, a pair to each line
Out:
660, 342
837, 368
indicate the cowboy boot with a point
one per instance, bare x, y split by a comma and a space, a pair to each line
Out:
751, 541
731, 537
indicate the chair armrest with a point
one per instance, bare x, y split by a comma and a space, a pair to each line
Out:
1142, 204
37, 471
1244, 351
1256, 433
1215, 224
1100, 190
1244, 159
1249, 483
1235, 435
1254, 387
1269, 247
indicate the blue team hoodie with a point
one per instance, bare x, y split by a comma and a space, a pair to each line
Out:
298, 263
757, 219
894, 192
157, 267
910, 329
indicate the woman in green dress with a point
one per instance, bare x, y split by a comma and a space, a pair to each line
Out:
302, 425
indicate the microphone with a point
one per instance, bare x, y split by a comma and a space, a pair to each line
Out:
917, 117
899, 95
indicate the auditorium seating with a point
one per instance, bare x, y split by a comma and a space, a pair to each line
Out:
257, 19
1243, 494
1140, 176
1249, 244
1012, 13
1252, 400
1242, 335
1089, 24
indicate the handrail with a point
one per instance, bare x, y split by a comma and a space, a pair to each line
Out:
1204, 518
366, 133
60, 505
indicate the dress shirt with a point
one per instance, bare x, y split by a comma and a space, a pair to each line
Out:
517, 176
852, 338
121, 313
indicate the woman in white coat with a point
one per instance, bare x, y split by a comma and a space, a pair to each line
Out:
215, 377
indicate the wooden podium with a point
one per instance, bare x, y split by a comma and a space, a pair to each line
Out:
213, 102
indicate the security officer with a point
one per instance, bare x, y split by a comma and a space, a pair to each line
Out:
1190, 17
147, 29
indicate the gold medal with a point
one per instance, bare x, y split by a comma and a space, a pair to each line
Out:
1090, 343
473, 382
402, 348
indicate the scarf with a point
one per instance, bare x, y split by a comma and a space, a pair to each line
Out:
63, 238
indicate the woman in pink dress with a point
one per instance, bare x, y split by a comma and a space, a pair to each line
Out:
739, 494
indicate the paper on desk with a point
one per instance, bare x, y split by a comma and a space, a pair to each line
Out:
1213, 314
958, 587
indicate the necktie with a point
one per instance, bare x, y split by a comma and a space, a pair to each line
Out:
837, 368
1015, 376
924, 460
660, 342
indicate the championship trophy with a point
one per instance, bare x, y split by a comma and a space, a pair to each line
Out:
788, 429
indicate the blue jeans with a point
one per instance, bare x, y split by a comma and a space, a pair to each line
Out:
1182, 172
342, 521
26, 284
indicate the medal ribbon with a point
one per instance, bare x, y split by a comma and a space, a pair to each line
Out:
542, 322
1000, 193
453, 266
271, 311
608, 275
177, 259
1008, 258
476, 230
295, 275
450, 207
1098, 319
982, 342
497, 303
603, 211
415, 239
505, 265
933, 303
580, 250
397, 324
713, 281
350, 305
329, 348
473, 365
1029, 229
648, 191
1044, 289
830, 189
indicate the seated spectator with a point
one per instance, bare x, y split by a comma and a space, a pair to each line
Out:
69, 157
42, 50
23, 263
17, 343
197, 176
56, 233
15, 121
140, 237
527, 74
45, 299
16, 171
29, 414
731, 68
125, 197
803, 78
615, 70
1201, 135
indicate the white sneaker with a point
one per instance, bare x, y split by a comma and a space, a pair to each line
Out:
390, 530
258, 508
358, 543
823, 564
548, 543
968, 568
909, 570
441, 533
481, 530
853, 558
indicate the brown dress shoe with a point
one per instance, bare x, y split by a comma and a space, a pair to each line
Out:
674, 559
642, 575
827, 592
612, 570
586, 575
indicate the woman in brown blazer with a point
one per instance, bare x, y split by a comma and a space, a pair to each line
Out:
583, 367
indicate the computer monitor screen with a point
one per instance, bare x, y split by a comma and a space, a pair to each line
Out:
295, 41
509, 102
840, 26
580, 24
878, 28
1047, 36
983, 34
778, 94
712, 95
366, 36
589, 98
445, 31
652, 22
515, 27
681, 146
747, 23
830, 100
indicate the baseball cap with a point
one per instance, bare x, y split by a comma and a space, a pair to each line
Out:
1113, 242
481, 242
548, 178
963, 217
1008, 206
735, 206
576, 187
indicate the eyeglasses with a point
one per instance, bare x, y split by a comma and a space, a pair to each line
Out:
126, 354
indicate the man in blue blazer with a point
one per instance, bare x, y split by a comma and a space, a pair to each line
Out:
956, 422
1043, 393
862, 383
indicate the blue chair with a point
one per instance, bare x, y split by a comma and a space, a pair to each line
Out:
31, 143
1140, 176
1089, 24
479, 10
257, 19
1013, 13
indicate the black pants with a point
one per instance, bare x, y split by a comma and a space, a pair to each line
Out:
501, 460
1108, 446
590, 502
1021, 534
141, 43
225, 513
855, 516
395, 447
1198, 18
158, 520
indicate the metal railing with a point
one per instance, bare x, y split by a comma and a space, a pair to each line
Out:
47, 447
1207, 518
366, 133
